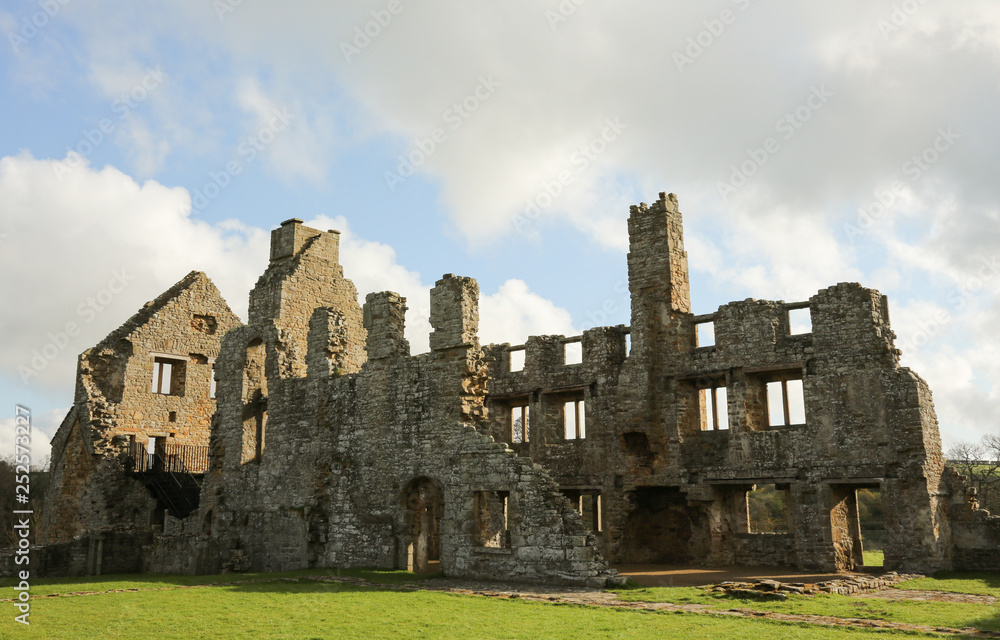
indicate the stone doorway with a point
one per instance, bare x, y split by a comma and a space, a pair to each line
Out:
659, 527
423, 507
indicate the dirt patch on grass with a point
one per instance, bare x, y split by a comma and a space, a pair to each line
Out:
930, 596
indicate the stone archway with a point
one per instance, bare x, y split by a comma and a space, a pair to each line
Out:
423, 507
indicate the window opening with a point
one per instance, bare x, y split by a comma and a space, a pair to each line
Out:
715, 399
168, 377
785, 403
492, 519
574, 420
516, 360
520, 419
799, 321
706, 334
767, 509
573, 352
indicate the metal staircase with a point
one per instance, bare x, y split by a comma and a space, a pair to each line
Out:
173, 477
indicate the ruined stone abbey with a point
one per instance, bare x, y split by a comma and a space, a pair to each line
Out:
311, 437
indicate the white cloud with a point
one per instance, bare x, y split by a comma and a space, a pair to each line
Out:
108, 224
511, 314
515, 312
43, 428
67, 239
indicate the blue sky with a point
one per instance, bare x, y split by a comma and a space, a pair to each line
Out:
808, 145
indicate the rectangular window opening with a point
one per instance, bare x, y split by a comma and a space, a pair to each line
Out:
799, 321
628, 344
213, 385
516, 360
168, 377
492, 519
786, 403
587, 502
715, 399
573, 352
706, 334
520, 420
767, 509
574, 420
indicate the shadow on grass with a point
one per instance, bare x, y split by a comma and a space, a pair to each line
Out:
43, 586
990, 578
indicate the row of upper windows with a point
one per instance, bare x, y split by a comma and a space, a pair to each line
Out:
784, 405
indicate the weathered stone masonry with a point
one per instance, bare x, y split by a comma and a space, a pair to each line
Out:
332, 446
115, 407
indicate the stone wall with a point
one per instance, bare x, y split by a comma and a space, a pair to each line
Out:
869, 422
380, 465
116, 406
332, 446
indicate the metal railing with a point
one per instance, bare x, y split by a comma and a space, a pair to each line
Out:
171, 458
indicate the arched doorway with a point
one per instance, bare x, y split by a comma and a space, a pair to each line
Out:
423, 506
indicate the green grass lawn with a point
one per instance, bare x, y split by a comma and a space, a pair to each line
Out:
874, 558
980, 584
945, 614
45, 587
280, 609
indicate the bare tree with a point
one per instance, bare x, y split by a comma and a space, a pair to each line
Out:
980, 463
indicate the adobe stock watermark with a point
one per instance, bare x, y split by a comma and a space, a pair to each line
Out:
699, 43
33, 24
248, 150
974, 285
123, 106
563, 12
914, 169
900, 15
86, 311
423, 147
788, 126
365, 34
223, 7
22, 513
579, 160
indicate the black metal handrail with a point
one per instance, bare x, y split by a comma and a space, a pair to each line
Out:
172, 458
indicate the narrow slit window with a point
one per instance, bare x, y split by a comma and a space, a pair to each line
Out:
516, 360
573, 352
628, 344
574, 420
213, 384
520, 419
